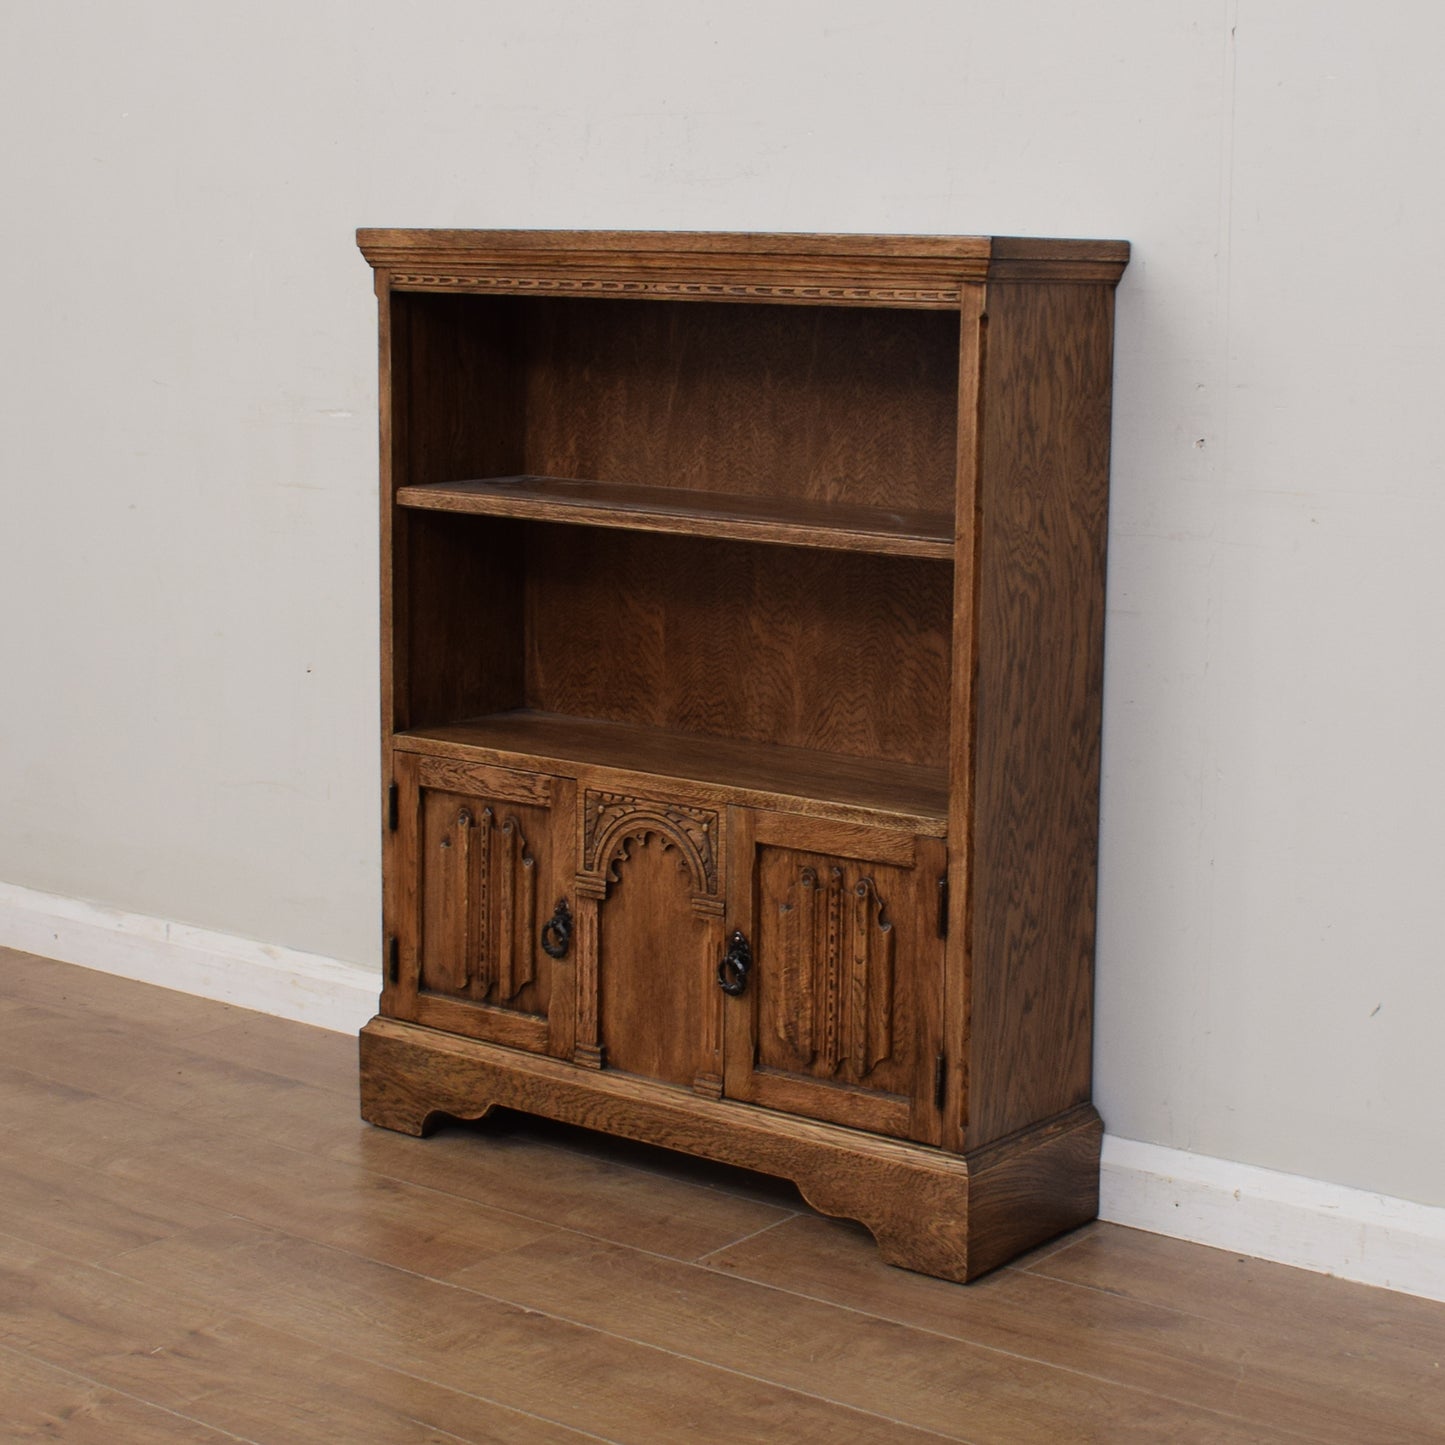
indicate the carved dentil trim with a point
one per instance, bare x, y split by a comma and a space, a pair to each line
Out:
614, 820
723, 290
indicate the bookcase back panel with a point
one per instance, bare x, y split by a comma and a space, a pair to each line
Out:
836, 651
456, 624
457, 388
826, 403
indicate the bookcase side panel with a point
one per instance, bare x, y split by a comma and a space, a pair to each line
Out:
1043, 511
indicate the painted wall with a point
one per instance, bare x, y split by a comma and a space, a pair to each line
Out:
187, 553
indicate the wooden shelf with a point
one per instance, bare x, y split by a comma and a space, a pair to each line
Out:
755, 774
787, 521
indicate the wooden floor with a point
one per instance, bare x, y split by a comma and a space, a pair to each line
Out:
200, 1241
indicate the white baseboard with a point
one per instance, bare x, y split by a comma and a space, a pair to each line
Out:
1308, 1223
1293, 1220
306, 987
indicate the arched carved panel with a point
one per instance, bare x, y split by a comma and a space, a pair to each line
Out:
659, 1008
613, 821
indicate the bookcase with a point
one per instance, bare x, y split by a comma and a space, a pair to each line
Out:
742, 617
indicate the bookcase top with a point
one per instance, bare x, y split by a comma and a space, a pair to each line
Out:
702, 265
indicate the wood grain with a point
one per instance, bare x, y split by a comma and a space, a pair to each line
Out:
192, 1360
800, 404
962, 739
1321, 1373
363, 1190
655, 965
948, 1385
1043, 512
484, 854
841, 1018
837, 526
591, 1380
40, 1402
836, 652
814, 270
450, 402
461, 622
623, 756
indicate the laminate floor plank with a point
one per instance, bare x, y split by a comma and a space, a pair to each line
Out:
301, 1053
308, 1196
1305, 1377
370, 1176
200, 1240
662, 1163
92, 1219
528, 1359
107, 998
921, 1376
675, 1214
185, 1083
189, 1089
173, 1349
39, 1402
439, 1234
1235, 1290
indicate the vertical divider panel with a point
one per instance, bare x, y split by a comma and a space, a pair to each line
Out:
958, 966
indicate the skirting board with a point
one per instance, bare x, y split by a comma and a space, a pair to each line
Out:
285, 982
1308, 1223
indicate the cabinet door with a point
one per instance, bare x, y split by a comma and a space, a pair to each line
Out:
840, 1014
483, 862
649, 935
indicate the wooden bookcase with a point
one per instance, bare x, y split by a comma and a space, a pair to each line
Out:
742, 610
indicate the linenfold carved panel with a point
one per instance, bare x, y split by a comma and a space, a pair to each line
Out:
835, 999
492, 878
611, 821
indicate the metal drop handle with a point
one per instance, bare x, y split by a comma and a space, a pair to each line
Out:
557, 931
732, 972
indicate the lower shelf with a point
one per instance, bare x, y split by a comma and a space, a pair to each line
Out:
951, 1216
867, 790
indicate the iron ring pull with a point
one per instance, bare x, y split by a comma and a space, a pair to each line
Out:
557, 931
732, 972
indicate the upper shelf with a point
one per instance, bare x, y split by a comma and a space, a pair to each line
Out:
788, 521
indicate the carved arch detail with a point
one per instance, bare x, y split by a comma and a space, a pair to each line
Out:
613, 821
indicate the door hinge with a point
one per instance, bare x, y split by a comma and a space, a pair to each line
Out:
393, 810
393, 958
940, 1080
943, 905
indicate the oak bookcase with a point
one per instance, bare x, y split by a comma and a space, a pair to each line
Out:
742, 610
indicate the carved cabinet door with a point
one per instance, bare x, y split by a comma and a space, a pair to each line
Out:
649, 927
482, 905
837, 984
